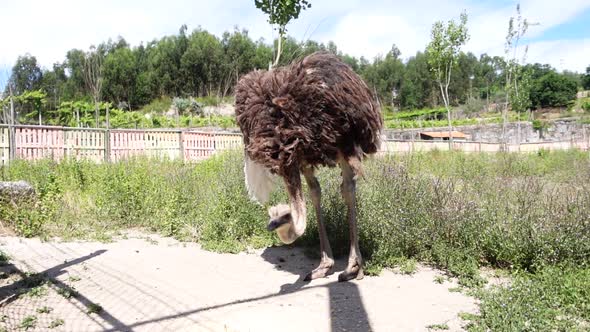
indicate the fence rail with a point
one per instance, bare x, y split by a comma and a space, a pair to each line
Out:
100, 145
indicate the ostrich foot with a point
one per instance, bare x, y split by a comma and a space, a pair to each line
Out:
353, 271
323, 270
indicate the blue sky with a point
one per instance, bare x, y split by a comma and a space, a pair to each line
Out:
48, 29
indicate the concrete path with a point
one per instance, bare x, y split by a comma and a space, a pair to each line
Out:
159, 284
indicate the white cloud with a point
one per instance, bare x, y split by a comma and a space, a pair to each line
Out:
561, 54
372, 30
48, 29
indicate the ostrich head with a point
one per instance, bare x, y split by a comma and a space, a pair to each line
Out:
281, 221
289, 221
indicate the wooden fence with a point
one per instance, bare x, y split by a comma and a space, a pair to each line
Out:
39, 142
99, 145
397, 146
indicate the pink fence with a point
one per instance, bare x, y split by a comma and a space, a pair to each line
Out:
198, 145
85, 144
129, 143
39, 142
4, 145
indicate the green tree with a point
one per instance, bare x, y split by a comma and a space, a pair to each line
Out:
443, 51
418, 89
553, 90
120, 75
281, 12
53, 83
75, 86
142, 92
464, 79
93, 77
489, 72
202, 64
26, 75
239, 51
37, 100
385, 76
263, 55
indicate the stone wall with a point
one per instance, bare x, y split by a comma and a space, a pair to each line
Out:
517, 132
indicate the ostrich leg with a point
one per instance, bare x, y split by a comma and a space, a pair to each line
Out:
355, 261
327, 260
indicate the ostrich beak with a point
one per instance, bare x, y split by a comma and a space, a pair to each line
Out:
276, 223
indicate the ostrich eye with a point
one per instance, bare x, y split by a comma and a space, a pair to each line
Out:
278, 222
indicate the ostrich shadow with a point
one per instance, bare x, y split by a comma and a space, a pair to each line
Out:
347, 311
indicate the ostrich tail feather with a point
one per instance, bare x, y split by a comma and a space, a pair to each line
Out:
259, 181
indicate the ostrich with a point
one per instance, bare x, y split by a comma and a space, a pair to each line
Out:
315, 112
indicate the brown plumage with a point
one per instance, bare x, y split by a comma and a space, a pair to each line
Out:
315, 112
306, 113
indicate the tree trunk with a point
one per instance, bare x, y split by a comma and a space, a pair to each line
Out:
108, 120
96, 115
279, 49
444, 92
12, 139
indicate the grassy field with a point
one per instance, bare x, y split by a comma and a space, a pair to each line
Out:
527, 215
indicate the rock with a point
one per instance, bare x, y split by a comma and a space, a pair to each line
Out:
16, 191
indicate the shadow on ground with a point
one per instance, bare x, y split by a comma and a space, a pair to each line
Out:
346, 307
347, 311
24, 282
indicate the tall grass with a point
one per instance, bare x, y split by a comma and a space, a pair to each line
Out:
455, 210
196, 202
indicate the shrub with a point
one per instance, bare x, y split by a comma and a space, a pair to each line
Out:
157, 106
187, 105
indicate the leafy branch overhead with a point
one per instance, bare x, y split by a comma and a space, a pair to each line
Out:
281, 12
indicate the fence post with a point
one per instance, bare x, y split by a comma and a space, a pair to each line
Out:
107, 145
181, 145
11, 132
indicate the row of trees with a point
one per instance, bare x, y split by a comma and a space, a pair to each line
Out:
201, 64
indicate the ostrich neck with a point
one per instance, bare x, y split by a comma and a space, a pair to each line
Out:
296, 202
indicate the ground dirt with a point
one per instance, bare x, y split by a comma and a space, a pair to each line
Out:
148, 283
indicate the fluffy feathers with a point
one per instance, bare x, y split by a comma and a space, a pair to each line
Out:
259, 181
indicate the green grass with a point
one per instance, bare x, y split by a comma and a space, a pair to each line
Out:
56, 323
455, 211
556, 298
74, 278
67, 292
409, 124
428, 113
94, 308
44, 310
39, 291
29, 322
438, 327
